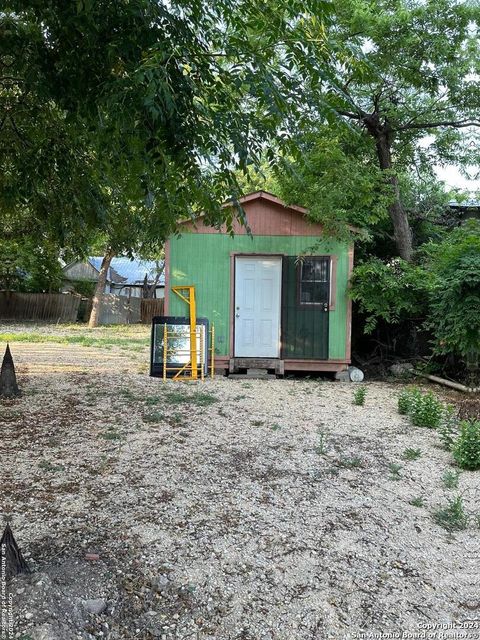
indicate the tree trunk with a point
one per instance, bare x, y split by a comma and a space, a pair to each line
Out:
401, 226
100, 289
150, 291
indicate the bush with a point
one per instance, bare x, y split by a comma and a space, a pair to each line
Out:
392, 291
406, 400
448, 428
466, 450
426, 411
359, 396
455, 300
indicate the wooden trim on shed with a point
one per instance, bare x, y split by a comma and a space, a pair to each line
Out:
232, 305
167, 278
223, 362
266, 195
265, 215
333, 282
315, 365
348, 345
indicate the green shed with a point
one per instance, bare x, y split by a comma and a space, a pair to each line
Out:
277, 295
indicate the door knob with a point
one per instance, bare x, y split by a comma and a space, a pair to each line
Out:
237, 315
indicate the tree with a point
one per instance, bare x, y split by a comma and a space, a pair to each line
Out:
173, 96
141, 112
413, 80
336, 179
455, 301
129, 228
149, 290
30, 263
392, 291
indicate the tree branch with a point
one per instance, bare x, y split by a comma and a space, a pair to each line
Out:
348, 114
441, 123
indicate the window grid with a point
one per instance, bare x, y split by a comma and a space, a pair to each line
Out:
315, 281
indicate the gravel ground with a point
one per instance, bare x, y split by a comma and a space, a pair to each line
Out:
232, 509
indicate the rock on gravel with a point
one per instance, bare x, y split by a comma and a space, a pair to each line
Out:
401, 368
49, 632
96, 606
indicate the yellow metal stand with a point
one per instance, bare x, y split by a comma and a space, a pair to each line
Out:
212, 353
197, 353
187, 294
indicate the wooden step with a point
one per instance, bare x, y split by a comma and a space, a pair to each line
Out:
257, 363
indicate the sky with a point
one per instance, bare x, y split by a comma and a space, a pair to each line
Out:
454, 179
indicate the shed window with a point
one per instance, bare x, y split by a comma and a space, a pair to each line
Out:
315, 281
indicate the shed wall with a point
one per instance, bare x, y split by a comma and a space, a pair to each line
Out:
203, 260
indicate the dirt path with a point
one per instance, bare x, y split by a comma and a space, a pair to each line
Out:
232, 509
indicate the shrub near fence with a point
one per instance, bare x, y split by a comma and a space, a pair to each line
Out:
47, 307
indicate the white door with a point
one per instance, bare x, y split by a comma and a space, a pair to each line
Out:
258, 282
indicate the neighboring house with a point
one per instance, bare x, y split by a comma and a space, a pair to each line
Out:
278, 297
466, 209
125, 277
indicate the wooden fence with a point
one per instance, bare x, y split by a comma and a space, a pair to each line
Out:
46, 307
61, 307
151, 307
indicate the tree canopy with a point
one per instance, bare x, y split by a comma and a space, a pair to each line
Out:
404, 70
173, 97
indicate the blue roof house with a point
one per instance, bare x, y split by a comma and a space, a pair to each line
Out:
126, 277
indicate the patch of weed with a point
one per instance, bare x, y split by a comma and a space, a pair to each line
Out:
448, 427
453, 516
450, 479
257, 423
321, 447
176, 420
48, 466
110, 434
412, 454
359, 396
426, 411
200, 398
126, 393
466, 449
275, 427
406, 399
86, 340
417, 502
350, 463
395, 469
154, 416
